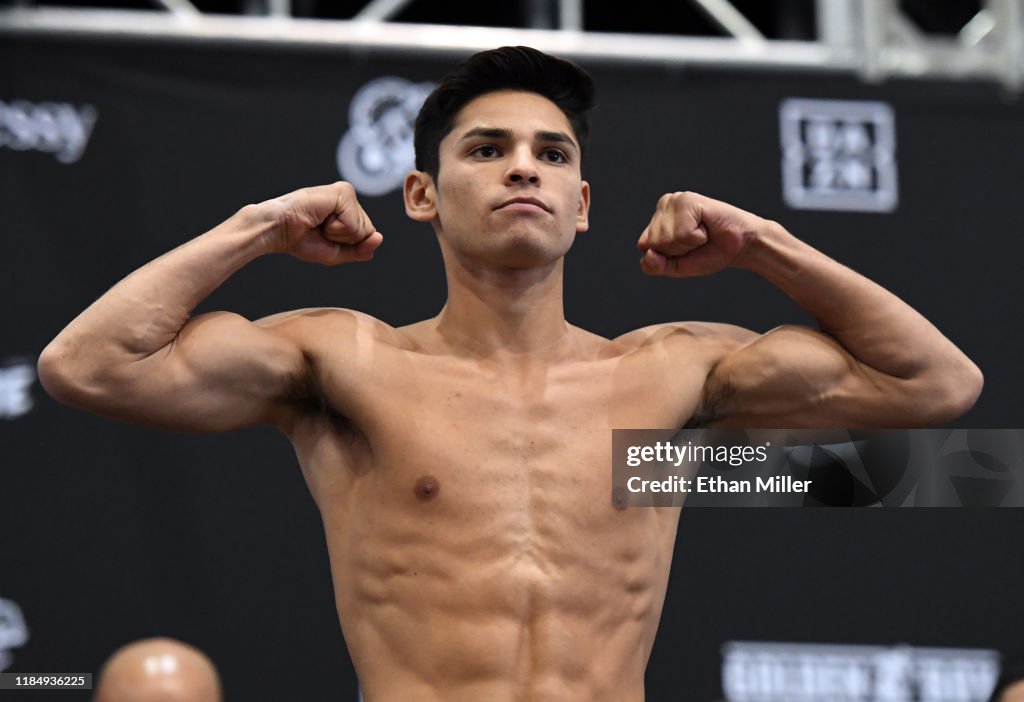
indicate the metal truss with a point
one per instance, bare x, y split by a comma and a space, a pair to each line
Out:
873, 38
990, 45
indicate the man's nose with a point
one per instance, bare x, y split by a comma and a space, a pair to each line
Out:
522, 167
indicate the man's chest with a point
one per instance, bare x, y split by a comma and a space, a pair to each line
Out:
520, 462
534, 434
529, 411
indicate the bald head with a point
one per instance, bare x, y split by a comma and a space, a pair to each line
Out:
158, 670
1014, 693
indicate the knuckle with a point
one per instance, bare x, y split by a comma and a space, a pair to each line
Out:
674, 199
284, 202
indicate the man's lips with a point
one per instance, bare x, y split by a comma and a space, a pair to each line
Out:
524, 203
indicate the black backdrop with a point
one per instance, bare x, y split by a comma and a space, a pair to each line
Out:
110, 532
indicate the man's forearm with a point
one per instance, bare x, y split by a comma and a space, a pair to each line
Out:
136, 353
874, 325
146, 310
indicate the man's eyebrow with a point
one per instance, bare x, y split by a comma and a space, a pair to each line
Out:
489, 132
504, 133
557, 137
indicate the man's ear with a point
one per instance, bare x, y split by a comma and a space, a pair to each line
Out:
420, 196
583, 209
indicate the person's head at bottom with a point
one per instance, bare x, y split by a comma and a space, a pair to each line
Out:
1010, 686
158, 670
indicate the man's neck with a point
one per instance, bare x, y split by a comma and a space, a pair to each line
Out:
506, 315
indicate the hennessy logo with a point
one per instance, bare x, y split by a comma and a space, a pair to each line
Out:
51, 127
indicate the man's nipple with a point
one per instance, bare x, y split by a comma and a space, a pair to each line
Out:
427, 488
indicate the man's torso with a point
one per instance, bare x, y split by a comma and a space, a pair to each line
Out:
467, 506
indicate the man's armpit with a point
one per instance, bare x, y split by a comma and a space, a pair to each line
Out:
301, 386
714, 401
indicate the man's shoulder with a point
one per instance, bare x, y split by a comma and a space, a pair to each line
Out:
315, 326
689, 335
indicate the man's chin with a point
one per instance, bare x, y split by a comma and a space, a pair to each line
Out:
526, 255
510, 249
528, 249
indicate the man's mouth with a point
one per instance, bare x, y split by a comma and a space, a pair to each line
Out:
524, 204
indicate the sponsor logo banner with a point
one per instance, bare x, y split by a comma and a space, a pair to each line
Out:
793, 672
838, 155
377, 151
57, 128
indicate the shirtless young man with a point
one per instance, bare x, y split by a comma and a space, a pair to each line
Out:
462, 464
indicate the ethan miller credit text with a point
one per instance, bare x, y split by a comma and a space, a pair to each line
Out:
716, 484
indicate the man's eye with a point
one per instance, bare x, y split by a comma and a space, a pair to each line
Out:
487, 151
555, 155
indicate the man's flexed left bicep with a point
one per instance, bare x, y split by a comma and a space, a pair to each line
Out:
797, 377
877, 361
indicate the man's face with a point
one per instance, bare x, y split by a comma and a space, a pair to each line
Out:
509, 191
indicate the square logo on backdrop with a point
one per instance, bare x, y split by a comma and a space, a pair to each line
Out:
838, 155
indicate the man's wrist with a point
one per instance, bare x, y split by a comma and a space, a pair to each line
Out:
261, 222
763, 253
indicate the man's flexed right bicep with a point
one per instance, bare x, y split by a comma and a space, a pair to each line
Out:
220, 372
137, 354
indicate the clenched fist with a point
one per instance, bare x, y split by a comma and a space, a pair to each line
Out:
692, 235
323, 224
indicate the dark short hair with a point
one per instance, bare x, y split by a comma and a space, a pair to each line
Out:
508, 68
